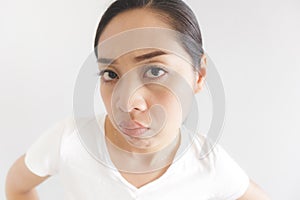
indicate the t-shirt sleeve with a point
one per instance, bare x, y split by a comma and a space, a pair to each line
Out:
43, 156
231, 181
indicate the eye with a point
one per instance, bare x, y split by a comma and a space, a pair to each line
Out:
155, 72
108, 75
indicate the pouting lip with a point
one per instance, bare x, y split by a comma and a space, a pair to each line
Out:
130, 125
138, 132
133, 128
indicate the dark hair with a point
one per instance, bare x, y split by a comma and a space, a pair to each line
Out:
178, 15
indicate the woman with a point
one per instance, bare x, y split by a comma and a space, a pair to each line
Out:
143, 126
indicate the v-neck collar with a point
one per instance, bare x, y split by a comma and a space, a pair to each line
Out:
185, 142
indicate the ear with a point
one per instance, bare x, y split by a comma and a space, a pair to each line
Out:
201, 75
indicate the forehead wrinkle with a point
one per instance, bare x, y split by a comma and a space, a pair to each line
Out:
139, 58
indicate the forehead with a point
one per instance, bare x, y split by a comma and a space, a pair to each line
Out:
138, 29
142, 39
133, 19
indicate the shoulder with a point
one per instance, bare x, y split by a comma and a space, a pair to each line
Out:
225, 178
57, 143
229, 180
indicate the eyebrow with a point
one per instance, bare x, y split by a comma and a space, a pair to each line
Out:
140, 58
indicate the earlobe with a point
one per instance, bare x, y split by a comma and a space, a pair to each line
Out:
201, 74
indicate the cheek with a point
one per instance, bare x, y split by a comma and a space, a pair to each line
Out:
105, 93
170, 104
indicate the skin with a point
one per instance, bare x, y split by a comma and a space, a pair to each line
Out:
141, 101
139, 109
21, 183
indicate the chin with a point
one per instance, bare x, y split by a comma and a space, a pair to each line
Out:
139, 143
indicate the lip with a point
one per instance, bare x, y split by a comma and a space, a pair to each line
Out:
133, 128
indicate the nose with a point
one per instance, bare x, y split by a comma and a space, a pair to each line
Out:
130, 97
135, 103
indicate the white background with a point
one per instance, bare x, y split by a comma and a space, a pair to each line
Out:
254, 44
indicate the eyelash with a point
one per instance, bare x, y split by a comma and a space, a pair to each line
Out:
160, 68
151, 67
101, 73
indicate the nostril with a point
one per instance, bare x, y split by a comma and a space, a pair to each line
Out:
139, 104
127, 101
135, 105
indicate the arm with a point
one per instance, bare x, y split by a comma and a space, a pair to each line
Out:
254, 192
21, 182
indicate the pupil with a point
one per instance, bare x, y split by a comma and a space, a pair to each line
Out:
112, 74
155, 71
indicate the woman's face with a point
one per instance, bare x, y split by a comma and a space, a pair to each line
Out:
138, 88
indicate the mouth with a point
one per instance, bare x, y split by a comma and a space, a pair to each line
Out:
133, 129
137, 132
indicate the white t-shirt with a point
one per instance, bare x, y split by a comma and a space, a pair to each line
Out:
60, 151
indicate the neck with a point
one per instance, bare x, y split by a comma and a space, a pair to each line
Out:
142, 162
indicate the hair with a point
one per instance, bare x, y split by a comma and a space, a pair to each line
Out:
175, 12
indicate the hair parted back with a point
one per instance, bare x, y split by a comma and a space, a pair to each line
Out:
175, 12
